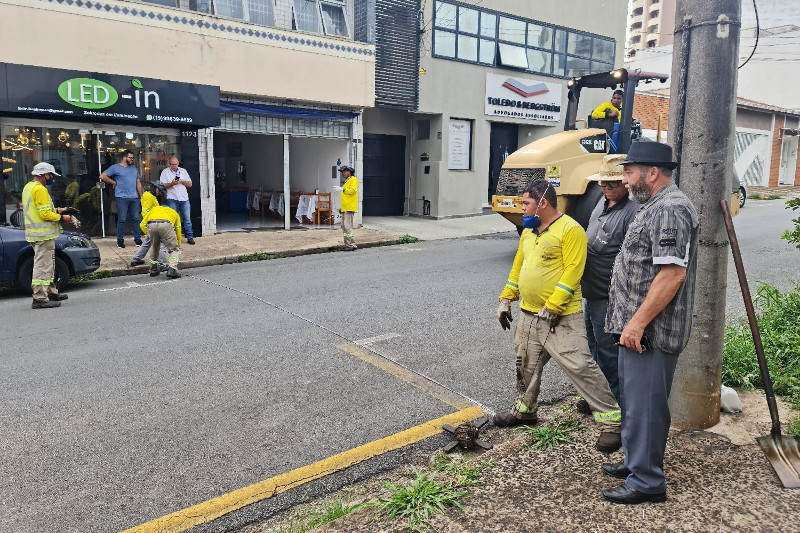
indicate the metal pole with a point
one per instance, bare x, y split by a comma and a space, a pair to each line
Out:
102, 186
701, 129
287, 216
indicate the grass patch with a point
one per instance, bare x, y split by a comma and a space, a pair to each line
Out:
98, 274
556, 432
327, 512
774, 197
407, 239
463, 473
778, 318
755, 196
418, 500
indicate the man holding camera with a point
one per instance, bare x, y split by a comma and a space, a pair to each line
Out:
176, 180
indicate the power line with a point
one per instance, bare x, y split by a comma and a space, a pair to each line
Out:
755, 45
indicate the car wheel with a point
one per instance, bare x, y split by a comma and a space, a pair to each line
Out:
25, 274
742, 197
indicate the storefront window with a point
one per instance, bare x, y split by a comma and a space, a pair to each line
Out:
74, 154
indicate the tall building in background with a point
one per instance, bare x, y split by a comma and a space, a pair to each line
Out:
650, 24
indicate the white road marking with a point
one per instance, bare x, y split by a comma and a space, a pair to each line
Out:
378, 338
135, 285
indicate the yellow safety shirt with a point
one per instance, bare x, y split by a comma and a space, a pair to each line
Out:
600, 111
350, 195
42, 223
548, 268
149, 201
162, 212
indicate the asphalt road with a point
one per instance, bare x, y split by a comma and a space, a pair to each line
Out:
145, 397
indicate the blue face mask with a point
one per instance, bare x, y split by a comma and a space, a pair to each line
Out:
530, 222
48, 181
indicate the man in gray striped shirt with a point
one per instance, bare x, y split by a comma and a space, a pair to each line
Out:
650, 308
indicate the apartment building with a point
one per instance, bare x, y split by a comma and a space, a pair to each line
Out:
248, 94
650, 24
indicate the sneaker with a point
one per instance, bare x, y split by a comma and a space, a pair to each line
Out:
120, 244
190, 241
506, 420
47, 304
163, 268
137, 243
173, 274
57, 297
608, 442
137, 262
154, 273
583, 407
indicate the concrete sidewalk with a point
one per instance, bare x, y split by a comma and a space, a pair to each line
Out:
717, 480
223, 248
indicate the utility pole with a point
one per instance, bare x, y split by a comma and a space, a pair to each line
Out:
701, 130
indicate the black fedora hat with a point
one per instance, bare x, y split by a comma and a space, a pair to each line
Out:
650, 154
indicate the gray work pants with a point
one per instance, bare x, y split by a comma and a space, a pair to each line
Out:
163, 232
535, 344
645, 380
44, 265
347, 229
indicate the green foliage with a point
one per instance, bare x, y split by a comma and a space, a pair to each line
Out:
407, 239
558, 430
329, 511
98, 274
793, 427
463, 474
256, 256
793, 236
778, 318
755, 196
774, 197
418, 500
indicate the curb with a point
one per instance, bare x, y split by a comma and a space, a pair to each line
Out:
230, 259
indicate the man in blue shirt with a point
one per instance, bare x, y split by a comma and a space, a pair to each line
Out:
124, 178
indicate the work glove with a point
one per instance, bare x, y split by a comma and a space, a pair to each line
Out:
549, 316
338, 189
504, 313
70, 219
70, 211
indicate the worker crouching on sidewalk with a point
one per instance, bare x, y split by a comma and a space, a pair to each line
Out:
546, 278
163, 225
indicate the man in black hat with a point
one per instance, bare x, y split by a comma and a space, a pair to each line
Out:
650, 309
349, 205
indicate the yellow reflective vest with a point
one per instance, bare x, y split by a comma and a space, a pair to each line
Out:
162, 212
350, 195
42, 223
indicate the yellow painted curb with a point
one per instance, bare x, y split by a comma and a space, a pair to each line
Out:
222, 505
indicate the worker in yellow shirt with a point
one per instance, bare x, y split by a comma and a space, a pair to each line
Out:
163, 225
149, 201
349, 204
42, 226
612, 109
546, 279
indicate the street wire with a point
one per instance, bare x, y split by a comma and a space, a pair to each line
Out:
346, 339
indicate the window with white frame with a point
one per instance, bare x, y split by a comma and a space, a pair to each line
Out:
305, 16
465, 32
320, 16
259, 12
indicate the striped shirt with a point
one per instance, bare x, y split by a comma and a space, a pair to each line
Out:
664, 232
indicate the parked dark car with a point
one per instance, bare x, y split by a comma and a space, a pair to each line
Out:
76, 254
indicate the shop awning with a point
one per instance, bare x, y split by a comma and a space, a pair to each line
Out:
288, 112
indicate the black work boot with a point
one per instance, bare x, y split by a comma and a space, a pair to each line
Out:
47, 304
505, 420
173, 274
608, 442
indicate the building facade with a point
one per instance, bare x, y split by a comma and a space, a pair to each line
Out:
651, 23
478, 81
286, 81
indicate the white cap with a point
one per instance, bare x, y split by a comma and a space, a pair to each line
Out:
44, 168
